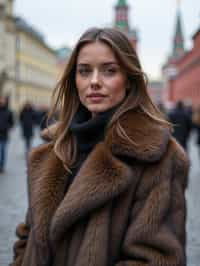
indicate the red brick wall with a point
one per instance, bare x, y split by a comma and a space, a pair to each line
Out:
187, 83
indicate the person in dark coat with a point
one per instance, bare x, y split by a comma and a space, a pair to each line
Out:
182, 123
27, 118
108, 188
196, 125
6, 123
41, 117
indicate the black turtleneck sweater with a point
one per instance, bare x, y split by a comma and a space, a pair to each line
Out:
88, 132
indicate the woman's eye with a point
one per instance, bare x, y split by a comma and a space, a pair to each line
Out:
110, 71
84, 72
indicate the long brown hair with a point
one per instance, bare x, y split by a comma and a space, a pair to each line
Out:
66, 100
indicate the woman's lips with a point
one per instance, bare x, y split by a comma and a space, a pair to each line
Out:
96, 97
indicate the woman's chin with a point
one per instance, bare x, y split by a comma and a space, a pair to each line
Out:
97, 108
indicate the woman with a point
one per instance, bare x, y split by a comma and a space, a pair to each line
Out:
108, 187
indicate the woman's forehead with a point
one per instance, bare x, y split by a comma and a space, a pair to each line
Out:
96, 52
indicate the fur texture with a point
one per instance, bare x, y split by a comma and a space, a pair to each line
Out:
126, 205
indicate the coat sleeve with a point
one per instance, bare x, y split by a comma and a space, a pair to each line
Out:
22, 232
156, 231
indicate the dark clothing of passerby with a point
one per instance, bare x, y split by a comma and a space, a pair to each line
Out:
42, 119
197, 129
182, 124
3, 151
6, 122
196, 125
27, 120
189, 113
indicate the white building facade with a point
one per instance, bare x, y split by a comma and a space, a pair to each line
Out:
29, 68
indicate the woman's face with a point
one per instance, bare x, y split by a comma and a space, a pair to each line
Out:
100, 81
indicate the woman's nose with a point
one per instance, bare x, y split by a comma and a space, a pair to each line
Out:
95, 77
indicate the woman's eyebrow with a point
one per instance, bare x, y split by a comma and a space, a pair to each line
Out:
110, 63
102, 64
83, 65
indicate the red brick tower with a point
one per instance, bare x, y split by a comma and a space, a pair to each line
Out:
182, 70
122, 21
170, 70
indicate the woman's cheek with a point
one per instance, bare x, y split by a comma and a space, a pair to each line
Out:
117, 83
81, 86
82, 95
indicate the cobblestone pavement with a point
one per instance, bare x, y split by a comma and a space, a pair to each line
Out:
13, 200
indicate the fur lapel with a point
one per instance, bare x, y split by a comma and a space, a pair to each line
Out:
92, 187
46, 181
148, 139
102, 177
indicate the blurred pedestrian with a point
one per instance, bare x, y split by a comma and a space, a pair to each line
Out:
196, 123
189, 112
6, 123
41, 116
182, 123
108, 188
27, 119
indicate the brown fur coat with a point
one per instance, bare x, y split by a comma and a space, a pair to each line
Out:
125, 207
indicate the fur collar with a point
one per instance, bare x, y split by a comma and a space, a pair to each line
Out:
148, 139
109, 176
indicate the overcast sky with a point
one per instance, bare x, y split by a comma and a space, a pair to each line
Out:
63, 21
